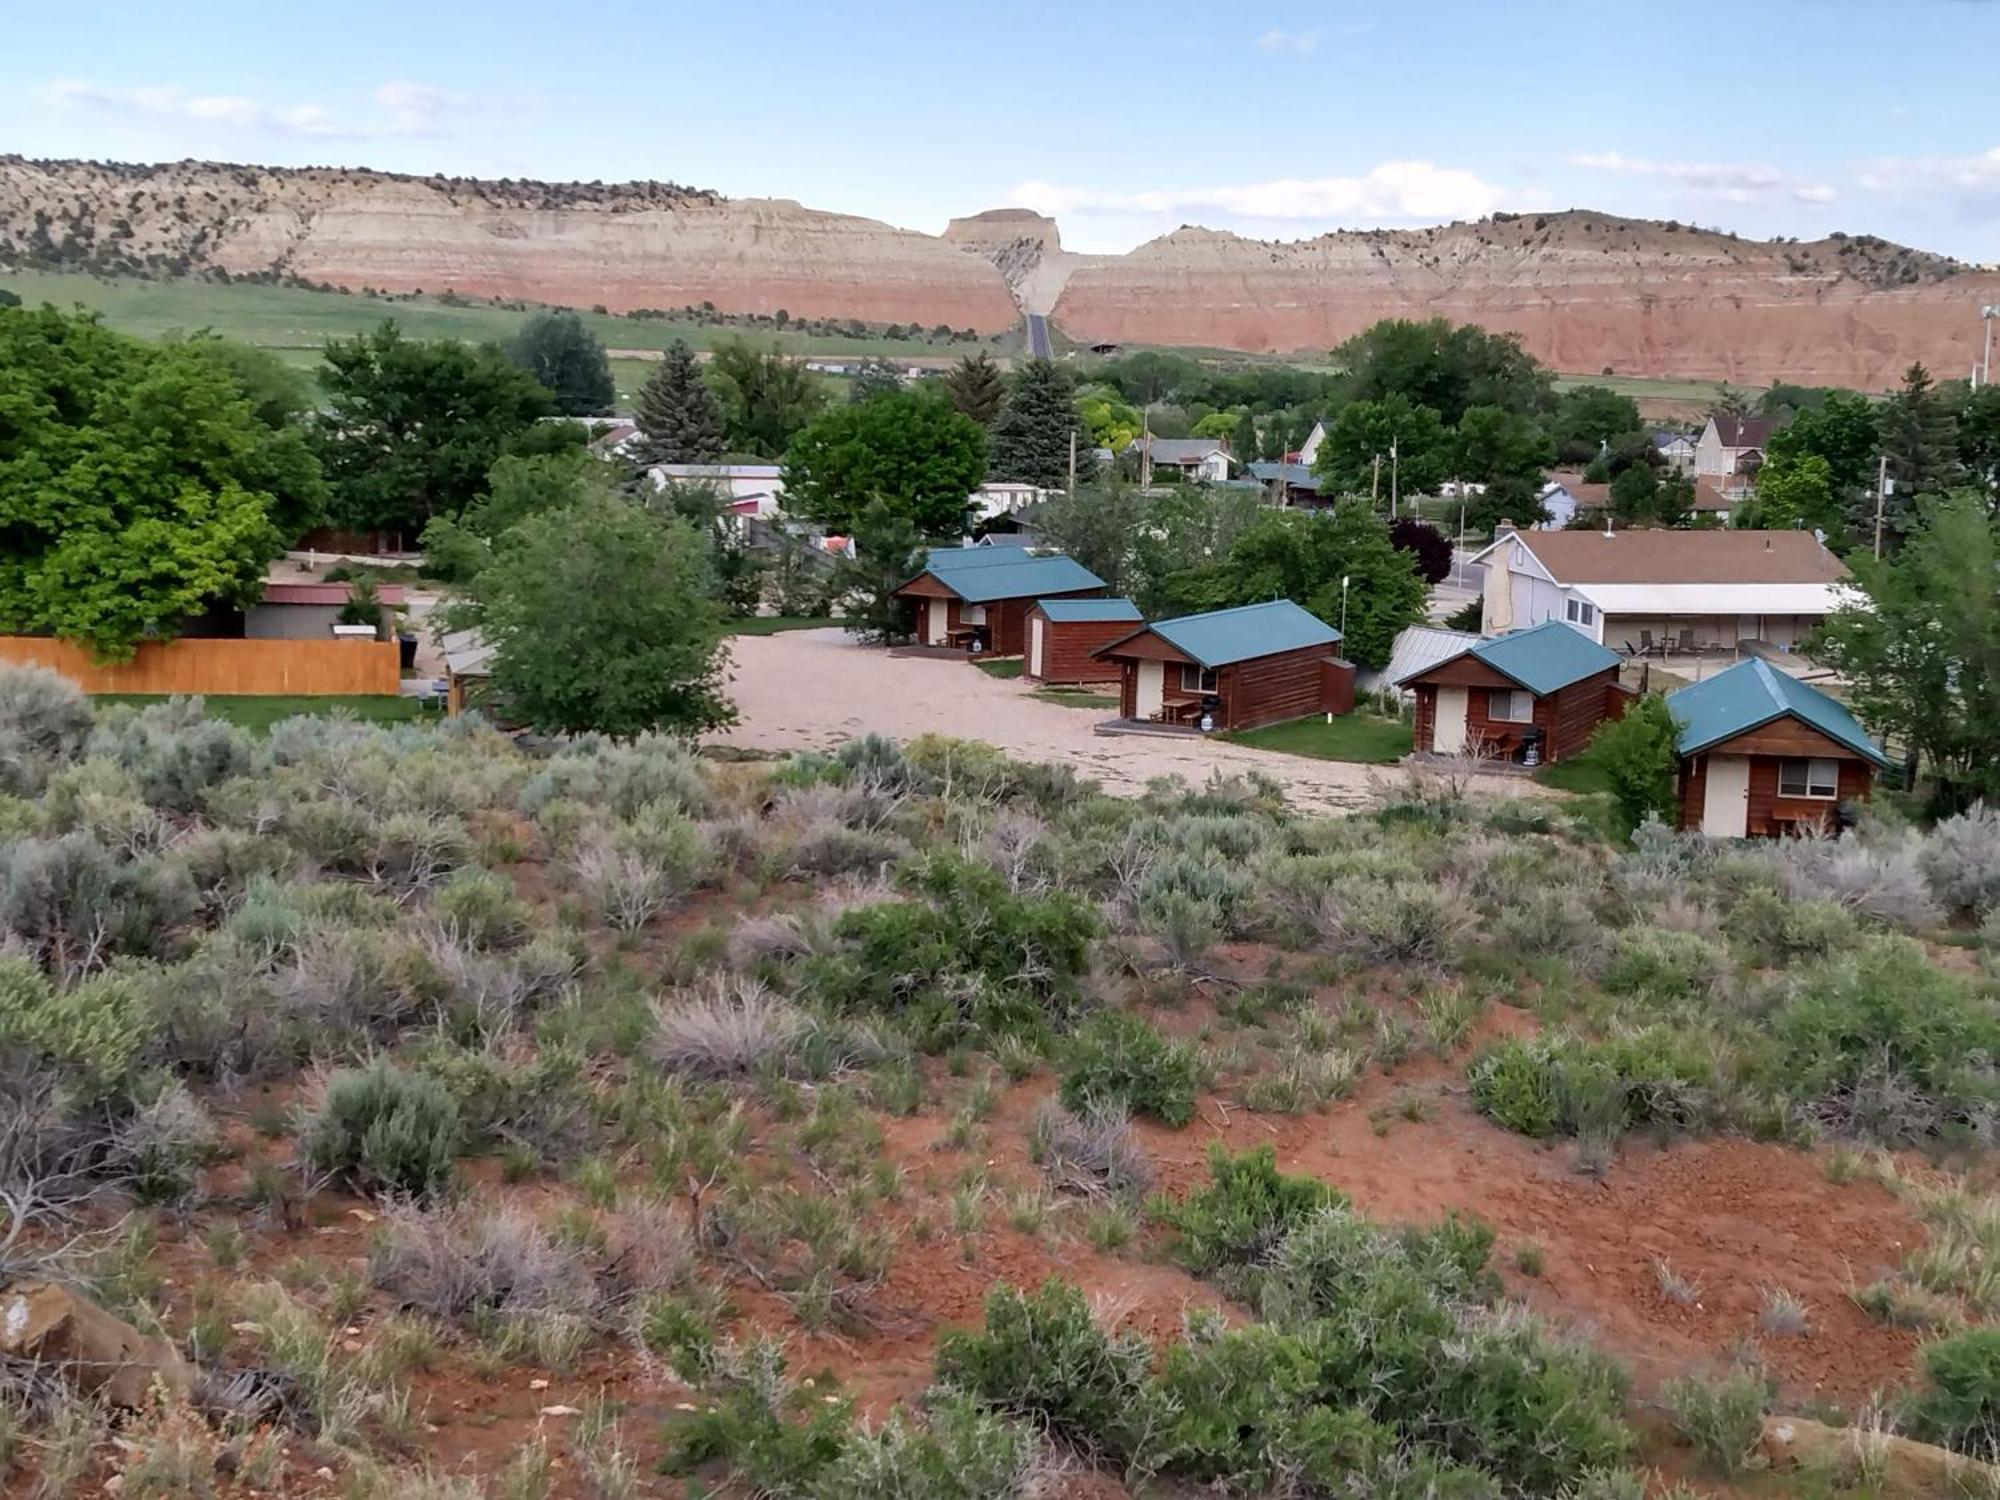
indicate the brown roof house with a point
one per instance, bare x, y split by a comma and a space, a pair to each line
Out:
1532, 696
1232, 668
1655, 592
1730, 449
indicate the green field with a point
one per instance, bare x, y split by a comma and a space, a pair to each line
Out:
775, 624
259, 713
296, 322
1367, 738
1064, 697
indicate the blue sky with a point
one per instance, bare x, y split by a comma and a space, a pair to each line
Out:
1270, 117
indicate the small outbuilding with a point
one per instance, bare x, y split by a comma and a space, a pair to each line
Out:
1762, 754
1232, 668
977, 598
1530, 696
1064, 635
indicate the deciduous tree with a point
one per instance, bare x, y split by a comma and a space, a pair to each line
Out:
1637, 754
679, 419
766, 398
1445, 367
412, 427
1097, 526
131, 484
908, 450
603, 618
1366, 430
568, 359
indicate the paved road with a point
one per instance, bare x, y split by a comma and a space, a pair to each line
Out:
1038, 337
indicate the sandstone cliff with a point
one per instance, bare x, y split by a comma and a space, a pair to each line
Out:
1586, 291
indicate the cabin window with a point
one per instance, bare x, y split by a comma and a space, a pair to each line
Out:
1809, 778
1197, 679
1580, 612
1510, 708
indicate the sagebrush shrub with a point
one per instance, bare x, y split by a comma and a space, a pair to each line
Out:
480, 908
959, 1451
44, 722
173, 750
459, 1263
95, 1029
1556, 1083
1663, 967
389, 1132
1957, 1400
620, 778
1723, 1418
77, 906
1091, 1152
161, 1145
1880, 878
728, 1029
1961, 859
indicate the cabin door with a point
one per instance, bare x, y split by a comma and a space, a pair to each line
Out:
1151, 694
1448, 733
937, 612
1725, 802
1035, 646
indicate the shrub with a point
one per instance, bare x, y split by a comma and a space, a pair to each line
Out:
1637, 755
823, 848
1042, 1358
1957, 1402
172, 750
383, 1130
1885, 1027
1556, 1083
620, 778
351, 984
95, 1029
1961, 859
1246, 1209
480, 908
462, 1263
1118, 1060
960, 1451
1394, 922
44, 722
1723, 1419
1091, 1152
76, 906
1882, 879
162, 1144
1663, 966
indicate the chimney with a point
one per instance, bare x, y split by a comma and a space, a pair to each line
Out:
1607, 523
1503, 527
1767, 544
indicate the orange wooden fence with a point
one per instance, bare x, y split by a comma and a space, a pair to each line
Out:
220, 667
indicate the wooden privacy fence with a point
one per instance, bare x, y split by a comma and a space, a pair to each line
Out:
219, 668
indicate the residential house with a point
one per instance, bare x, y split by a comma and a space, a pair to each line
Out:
1416, 647
1762, 754
1004, 497
312, 611
1232, 668
1064, 635
1308, 453
1676, 450
753, 491
1531, 696
1202, 460
1711, 499
1730, 449
1566, 495
1292, 484
1690, 592
978, 597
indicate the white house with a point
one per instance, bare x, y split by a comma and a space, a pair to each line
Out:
1732, 447
752, 489
1676, 450
1687, 592
1309, 449
1204, 460
1001, 498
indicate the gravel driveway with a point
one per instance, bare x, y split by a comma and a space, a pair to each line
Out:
814, 689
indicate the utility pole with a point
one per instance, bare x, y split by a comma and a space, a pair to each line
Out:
1146, 447
1395, 469
1881, 491
1986, 315
1375, 486
1072, 463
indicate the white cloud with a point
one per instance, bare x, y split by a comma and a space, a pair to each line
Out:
401, 109
1735, 182
1298, 43
1922, 174
1391, 190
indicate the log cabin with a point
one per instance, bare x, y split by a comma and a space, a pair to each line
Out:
1762, 754
1232, 668
978, 598
1064, 634
1529, 696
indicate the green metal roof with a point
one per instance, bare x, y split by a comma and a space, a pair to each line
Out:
979, 575
1543, 659
1750, 695
1089, 609
1250, 630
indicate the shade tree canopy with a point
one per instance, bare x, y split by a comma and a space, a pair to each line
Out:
909, 450
568, 359
765, 397
134, 484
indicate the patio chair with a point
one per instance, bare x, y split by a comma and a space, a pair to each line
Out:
1687, 641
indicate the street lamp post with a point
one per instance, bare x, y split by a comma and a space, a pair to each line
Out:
1986, 315
1343, 606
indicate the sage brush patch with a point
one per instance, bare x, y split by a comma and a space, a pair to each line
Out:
1117, 1060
